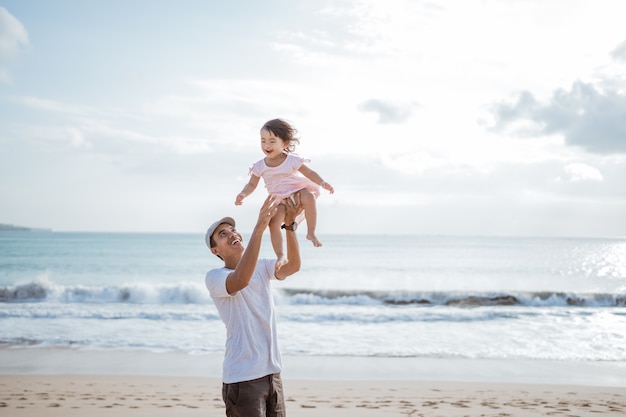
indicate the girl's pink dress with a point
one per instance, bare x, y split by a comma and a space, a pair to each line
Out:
285, 179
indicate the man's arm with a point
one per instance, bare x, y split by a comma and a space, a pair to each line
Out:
293, 249
241, 276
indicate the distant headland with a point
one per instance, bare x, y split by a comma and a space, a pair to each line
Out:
12, 228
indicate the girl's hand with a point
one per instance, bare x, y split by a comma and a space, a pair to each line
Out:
239, 199
327, 187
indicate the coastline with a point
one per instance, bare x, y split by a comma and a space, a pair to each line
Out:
73, 382
74, 361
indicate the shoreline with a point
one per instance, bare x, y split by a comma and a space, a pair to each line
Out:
73, 361
71, 382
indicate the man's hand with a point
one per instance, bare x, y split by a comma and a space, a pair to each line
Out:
268, 210
293, 207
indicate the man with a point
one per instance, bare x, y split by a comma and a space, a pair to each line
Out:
242, 294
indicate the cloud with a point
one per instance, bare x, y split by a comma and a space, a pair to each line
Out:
105, 132
65, 134
586, 117
54, 106
619, 53
388, 112
13, 39
578, 171
417, 162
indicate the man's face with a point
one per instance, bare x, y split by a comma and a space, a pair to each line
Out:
227, 240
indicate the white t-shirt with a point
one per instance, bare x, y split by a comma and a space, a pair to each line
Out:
251, 342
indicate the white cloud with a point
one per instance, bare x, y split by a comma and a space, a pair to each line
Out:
388, 111
619, 53
49, 105
414, 162
13, 41
189, 146
60, 134
578, 171
585, 115
77, 138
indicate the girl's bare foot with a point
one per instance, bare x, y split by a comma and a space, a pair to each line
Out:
314, 239
280, 262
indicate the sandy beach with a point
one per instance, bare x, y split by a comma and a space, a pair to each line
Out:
80, 395
68, 382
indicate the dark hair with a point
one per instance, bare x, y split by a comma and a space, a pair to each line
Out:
283, 130
213, 244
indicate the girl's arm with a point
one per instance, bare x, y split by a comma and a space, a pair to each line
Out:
315, 177
247, 189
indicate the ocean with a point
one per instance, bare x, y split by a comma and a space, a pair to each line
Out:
560, 299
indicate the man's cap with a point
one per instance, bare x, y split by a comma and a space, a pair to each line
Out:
211, 229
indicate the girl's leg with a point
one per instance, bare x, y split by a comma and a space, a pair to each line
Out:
276, 237
307, 200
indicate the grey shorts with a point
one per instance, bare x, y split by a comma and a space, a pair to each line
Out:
262, 397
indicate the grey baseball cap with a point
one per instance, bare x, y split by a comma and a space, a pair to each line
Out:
211, 229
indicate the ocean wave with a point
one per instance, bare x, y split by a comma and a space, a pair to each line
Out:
453, 299
195, 293
50, 312
138, 293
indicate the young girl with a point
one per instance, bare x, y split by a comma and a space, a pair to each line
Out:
285, 174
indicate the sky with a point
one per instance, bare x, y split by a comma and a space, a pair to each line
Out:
456, 117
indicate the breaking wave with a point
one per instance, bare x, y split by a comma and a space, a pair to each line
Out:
195, 293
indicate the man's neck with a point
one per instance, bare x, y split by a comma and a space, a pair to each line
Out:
231, 263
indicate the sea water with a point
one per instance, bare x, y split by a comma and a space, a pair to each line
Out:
357, 296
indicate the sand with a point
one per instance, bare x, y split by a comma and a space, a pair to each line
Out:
70, 382
108, 395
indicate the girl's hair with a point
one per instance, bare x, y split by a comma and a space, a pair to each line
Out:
283, 130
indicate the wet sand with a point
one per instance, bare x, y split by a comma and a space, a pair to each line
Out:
68, 382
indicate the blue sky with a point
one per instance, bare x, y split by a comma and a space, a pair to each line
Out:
439, 117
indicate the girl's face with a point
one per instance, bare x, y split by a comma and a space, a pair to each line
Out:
271, 145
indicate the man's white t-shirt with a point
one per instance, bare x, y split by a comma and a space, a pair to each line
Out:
251, 342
